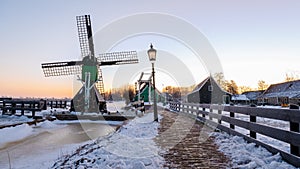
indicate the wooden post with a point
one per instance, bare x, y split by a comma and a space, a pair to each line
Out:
4, 108
13, 107
220, 113
252, 133
295, 150
232, 116
51, 104
203, 115
210, 110
22, 109
65, 104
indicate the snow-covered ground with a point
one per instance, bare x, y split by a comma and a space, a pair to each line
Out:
130, 147
247, 155
38, 146
8, 120
133, 147
264, 121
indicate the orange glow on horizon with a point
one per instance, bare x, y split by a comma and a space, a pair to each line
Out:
29, 89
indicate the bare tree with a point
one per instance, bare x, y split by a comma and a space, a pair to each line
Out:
232, 87
291, 76
219, 78
243, 89
262, 85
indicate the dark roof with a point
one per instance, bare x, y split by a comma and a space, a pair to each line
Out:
253, 95
286, 89
201, 84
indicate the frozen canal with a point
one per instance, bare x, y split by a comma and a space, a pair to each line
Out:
48, 141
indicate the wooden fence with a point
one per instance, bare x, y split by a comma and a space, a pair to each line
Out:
10, 107
219, 116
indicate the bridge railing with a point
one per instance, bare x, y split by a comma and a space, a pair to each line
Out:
226, 118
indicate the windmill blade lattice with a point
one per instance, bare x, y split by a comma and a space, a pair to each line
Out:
85, 35
62, 68
99, 84
118, 58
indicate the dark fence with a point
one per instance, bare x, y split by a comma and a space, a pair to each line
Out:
219, 116
10, 107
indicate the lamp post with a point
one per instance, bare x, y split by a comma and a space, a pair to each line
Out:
152, 58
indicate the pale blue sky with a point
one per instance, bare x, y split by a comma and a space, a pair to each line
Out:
254, 40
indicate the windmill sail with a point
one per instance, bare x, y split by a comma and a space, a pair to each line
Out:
85, 35
62, 68
118, 58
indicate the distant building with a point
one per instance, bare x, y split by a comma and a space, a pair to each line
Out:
144, 94
240, 99
250, 97
208, 91
145, 90
282, 94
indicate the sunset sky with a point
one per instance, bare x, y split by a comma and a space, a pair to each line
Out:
254, 40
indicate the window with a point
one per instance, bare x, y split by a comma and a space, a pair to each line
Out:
210, 88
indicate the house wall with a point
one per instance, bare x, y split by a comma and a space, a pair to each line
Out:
204, 95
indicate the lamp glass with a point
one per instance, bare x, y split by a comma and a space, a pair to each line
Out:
152, 54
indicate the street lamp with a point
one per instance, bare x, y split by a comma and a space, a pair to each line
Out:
152, 58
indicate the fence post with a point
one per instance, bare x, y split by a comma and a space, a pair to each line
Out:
232, 116
252, 133
13, 107
210, 110
203, 115
220, 113
295, 150
22, 109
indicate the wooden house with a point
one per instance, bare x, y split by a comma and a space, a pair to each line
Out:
282, 94
208, 91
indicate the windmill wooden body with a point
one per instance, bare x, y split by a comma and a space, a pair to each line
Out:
90, 98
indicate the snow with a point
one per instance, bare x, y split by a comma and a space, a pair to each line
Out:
240, 97
130, 147
11, 134
8, 120
247, 155
280, 124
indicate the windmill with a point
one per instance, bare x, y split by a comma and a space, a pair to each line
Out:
90, 98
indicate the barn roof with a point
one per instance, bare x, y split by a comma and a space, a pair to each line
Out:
240, 97
286, 89
253, 95
201, 84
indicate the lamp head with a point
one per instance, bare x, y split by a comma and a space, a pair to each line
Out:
152, 54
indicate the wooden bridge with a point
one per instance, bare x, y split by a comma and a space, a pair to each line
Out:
225, 119
18, 106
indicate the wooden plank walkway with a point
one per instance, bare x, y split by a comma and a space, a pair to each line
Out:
179, 137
